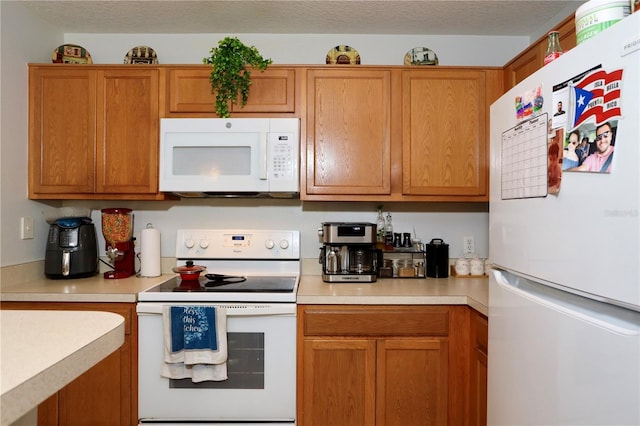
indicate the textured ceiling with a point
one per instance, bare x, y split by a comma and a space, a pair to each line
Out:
433, 17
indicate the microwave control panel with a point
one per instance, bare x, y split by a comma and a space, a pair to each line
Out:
283, 155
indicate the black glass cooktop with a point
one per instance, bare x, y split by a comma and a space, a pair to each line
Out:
230, 284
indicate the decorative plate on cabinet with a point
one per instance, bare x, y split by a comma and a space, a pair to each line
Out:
420, 56
71, 54
141, 55
343, 54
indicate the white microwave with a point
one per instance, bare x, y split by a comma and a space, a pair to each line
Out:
230, 156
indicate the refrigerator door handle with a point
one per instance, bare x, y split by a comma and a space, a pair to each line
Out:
612, 318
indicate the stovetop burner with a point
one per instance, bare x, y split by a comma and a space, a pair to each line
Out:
230, 284
220, 279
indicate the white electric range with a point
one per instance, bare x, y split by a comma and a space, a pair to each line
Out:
254, 275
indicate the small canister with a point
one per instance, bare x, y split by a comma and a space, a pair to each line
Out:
437, 259
487, 266
476, 266
462, 266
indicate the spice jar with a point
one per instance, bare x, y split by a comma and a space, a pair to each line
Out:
406, 268
386, 270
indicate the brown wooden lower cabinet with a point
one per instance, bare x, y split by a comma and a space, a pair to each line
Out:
384, 365
106, 394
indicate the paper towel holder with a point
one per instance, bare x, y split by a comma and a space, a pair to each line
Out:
150, 260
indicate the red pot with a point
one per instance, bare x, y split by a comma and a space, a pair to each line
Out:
189, 272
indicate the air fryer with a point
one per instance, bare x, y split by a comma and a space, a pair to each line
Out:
72, 249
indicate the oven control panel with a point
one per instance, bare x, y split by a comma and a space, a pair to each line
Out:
237, 244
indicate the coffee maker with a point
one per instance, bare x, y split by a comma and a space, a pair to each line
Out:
349, 252
117, 229
72, 249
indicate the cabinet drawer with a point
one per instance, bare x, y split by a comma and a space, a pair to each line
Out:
378, 321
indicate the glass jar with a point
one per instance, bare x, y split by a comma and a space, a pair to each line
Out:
553, 47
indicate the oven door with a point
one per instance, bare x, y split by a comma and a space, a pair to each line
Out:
261, 341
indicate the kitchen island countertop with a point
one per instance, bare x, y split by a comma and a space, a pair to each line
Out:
43, 351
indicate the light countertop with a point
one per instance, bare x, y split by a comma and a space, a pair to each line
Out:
93, 289
312, 290
430, 291
43, 351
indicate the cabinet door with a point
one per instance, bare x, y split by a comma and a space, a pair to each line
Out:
62, 131
412, 382
189, 91
128, 129
523, 66
532, 58
348, 145
444, 146
339, 382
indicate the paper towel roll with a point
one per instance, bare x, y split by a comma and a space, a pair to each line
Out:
150, 253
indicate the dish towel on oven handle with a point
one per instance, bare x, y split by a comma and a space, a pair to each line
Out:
195, 343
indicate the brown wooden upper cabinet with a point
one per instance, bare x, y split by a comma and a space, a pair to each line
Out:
189, 92
348, 138
532, 58
93, 132
444, 128
397, 133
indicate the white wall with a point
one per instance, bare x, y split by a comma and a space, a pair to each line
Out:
26, 39
450, 221
374, 49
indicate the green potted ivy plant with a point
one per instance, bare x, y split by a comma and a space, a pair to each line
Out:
230, 73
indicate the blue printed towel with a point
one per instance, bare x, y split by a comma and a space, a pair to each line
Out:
195, 340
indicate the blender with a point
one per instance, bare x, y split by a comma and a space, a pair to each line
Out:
117, 229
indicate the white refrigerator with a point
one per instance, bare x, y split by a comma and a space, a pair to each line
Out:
564, 291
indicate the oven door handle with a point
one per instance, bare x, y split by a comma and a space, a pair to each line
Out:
233, 309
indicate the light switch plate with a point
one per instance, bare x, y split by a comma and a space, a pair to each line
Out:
26, 228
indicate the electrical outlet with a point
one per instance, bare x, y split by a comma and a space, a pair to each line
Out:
469, 245
26, 228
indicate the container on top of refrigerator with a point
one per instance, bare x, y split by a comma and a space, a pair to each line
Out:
595, 16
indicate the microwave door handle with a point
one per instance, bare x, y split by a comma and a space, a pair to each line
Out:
264, 156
